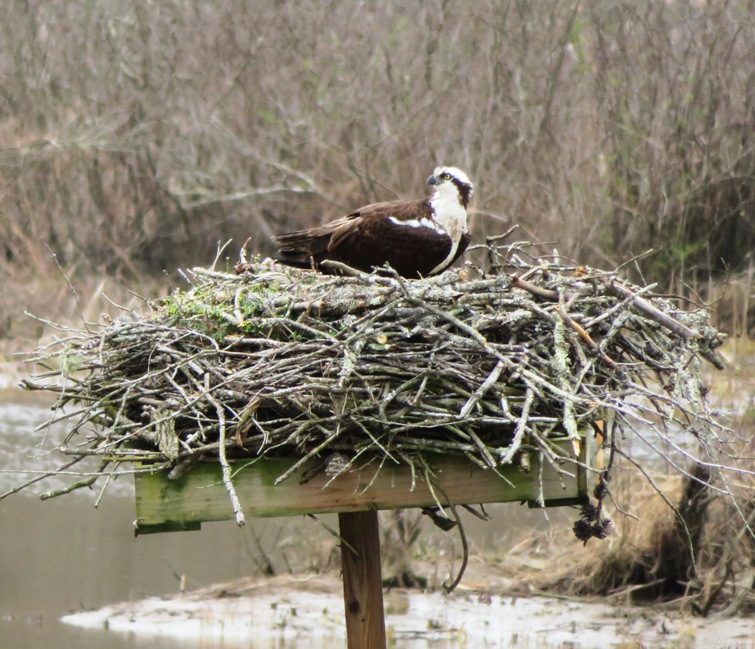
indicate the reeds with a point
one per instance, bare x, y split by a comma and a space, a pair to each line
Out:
132, 141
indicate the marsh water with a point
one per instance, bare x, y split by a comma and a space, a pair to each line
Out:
63, 555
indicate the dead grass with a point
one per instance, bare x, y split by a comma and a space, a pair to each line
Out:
131, 141
630, 565
29, 298
733, 303
627, 566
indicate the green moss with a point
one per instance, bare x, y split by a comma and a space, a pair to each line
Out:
218, 309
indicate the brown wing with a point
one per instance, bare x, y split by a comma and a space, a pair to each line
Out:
369, 238
303, 247
298, 248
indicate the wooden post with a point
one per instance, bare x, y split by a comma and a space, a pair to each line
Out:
362, 580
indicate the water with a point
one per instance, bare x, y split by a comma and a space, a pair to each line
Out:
63, 555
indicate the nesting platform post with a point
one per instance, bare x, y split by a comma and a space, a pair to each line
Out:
362, 580
356, 495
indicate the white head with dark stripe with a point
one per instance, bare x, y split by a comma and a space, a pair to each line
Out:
452, 185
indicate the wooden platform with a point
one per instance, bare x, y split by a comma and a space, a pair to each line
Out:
170, 505
183, 504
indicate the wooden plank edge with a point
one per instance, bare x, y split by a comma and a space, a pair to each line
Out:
168, 505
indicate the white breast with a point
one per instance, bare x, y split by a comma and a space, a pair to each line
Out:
451, 216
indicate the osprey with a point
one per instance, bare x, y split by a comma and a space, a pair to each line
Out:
415, 238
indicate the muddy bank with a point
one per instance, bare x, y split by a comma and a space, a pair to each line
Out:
307, 612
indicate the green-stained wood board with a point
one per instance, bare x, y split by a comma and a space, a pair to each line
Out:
164, 505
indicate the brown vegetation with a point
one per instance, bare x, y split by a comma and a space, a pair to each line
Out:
684, 543
276, 361
330, 371
134, 136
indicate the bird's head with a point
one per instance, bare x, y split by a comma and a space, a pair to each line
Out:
450, 181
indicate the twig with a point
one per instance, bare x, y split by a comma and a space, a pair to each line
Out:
655, 313
464, 545
70, 286
226, 468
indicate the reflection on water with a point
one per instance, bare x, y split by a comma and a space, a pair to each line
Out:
61, 556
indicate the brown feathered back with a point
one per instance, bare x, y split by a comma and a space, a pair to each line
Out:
404, 234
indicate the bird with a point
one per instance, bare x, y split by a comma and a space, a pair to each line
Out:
416, 238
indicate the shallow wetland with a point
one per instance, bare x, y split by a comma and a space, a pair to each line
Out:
75, 576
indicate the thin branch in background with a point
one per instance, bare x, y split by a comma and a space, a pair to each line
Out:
75, 294
333, 533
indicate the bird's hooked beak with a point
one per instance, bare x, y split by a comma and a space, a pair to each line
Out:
433, 180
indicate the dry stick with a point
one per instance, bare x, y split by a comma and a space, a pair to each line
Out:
225, 467
367, 486
521, 426
606, 314
482, 341
665, 498
108, 478
594, 347
70, 286
299, 463
616, 503
433, 445
482, 514
44, 474
499, 237
686, 454
560, 363
540, 498
370, 278
375, 441
329, 529
486, 454
482, 390
426, 377
537, 291
221, 248
483, 465
427, 413
616, 288
655, 313
61, 471
554, 459
86, 482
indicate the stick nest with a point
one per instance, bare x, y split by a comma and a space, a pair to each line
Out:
277, 361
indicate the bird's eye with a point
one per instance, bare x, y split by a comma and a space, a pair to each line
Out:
446, 176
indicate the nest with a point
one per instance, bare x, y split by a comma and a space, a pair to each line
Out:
278, 361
